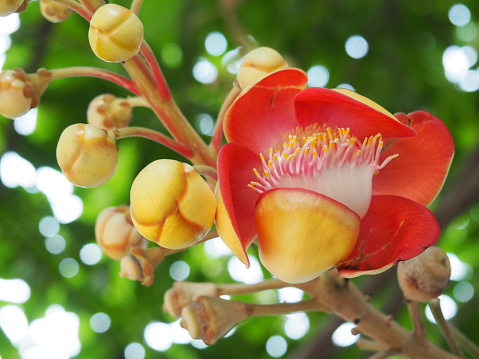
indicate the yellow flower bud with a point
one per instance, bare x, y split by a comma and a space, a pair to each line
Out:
109, 112
115, 232
171, 204
257, 64
9, 6
53, 11
20, 92
16, 93
115, 33
210, 318
87, 155
426, 276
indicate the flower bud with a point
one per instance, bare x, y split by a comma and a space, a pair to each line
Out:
426, 276
210, 318
115, 232
87, 155
54, 11
20, 92
115, 33
257, 64
183, 293
109, 112
171, 204
9, 6
140, 264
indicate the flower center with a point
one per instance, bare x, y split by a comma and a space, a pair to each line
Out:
331, 162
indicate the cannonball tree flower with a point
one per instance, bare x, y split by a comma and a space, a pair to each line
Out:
327, 178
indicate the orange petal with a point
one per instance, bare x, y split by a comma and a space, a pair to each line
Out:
303, 233
226, 231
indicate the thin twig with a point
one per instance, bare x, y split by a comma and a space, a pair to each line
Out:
464, 341
435, 306
417, 320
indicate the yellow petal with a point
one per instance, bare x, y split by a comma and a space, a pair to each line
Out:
303, 233
366, 101
226, 231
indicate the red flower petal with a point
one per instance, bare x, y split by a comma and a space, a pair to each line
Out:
419, 171
261, 116
394, 229
235, 172
325, 106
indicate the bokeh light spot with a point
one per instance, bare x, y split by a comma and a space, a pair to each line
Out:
14, 290
55, 244
68, 267
100, 322
459, 14
215, 43
240, 273
179, 270
205, 72
463, 291
135, 351
205, 124
318, 76
276, 346
356, 46
342, 336
49, 226
171, 54
91, 254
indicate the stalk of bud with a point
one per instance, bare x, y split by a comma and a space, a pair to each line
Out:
140, 264
87, 155
109, 112
115, 232
182, 293
210, 318
257, 64
171, 204
54, 11
426, 276
115, 33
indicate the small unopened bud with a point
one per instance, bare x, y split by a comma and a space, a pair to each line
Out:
87, 155
115, 33
210, 318
109, 112
20, 92
54, 11
426, 276
9, 6
115, 232
141, 263
183, 293
171, 204
259, 63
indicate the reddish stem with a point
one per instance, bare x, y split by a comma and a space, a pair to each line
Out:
150, 58
86, 71
153, 135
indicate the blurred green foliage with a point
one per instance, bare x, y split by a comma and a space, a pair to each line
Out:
403, 71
